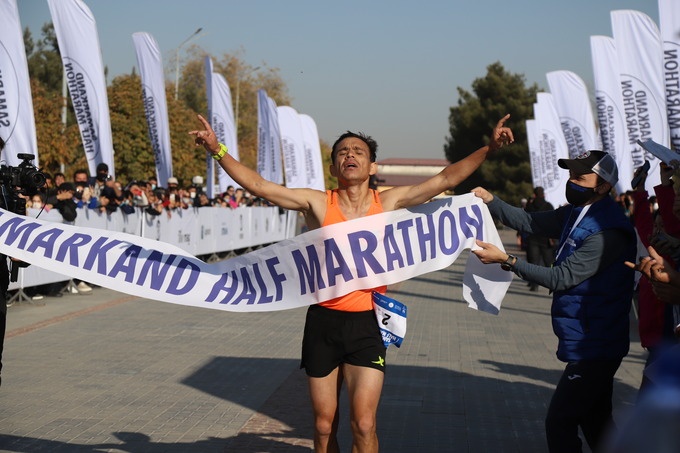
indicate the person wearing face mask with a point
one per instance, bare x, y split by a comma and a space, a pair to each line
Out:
592, 291
98, 183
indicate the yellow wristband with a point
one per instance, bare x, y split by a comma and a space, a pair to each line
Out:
223, 151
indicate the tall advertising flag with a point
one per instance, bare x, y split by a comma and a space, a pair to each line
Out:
313, 158
17, 123
292, 145
268, 141
573, 107
669, 22
609, 106
155, 105
640, 53
275, 142
223, 123
209, 161
263, 135
533, 143
552, 147
76, 32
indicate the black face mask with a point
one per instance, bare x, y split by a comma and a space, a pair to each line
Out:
579, 195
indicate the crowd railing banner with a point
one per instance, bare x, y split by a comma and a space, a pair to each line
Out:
17, 123
574, 110
155, 104
640, 53
313, 267
76, 31
609, 106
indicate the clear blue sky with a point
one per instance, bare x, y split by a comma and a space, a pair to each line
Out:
387, 68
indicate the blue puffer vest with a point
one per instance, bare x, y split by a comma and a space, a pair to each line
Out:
591, 319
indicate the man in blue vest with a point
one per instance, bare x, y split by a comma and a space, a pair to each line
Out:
592, 292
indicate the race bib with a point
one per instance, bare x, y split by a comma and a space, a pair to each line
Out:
391, 316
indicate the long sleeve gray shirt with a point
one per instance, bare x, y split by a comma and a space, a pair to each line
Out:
585, 262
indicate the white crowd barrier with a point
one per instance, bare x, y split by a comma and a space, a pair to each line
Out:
199, 231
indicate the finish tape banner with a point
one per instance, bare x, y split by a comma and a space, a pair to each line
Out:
313, 267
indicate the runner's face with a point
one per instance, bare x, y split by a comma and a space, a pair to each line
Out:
353, 160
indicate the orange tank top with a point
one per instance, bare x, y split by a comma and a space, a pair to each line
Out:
361, 300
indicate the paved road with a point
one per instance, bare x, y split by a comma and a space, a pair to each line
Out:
107, 372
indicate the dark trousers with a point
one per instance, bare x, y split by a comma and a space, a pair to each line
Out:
583, 397
538, 252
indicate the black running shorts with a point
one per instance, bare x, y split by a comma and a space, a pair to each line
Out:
333, 337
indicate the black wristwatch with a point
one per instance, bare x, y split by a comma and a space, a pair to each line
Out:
507, 266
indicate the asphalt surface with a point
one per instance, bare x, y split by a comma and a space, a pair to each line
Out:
107, 372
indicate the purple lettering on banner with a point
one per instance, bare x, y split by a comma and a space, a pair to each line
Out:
71, 244
194, 272
278, 278
221, 285
265, 298
152, 266
98, 253
127, 263
477, 223
16, 228
404, 226
311, 273
45, 240
363, 257
248, 292
444, 233
392, 252
333, 255
425, 237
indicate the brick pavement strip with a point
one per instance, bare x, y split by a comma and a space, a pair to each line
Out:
145, 376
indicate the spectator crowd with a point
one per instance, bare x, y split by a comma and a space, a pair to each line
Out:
106, 194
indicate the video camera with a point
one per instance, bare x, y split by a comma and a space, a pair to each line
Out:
24, 179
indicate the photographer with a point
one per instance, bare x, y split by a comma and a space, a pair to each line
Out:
16, 185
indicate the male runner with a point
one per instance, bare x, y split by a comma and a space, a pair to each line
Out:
342, 341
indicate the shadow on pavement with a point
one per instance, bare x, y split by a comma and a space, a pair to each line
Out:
422, 409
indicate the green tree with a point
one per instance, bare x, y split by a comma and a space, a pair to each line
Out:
244, 80
134, 159
507, 172
55, 142
43, 58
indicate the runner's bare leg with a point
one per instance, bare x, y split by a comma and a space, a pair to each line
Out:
364, 386
325, 393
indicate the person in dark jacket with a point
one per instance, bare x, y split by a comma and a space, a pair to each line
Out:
540, 249
592, 292
63, 201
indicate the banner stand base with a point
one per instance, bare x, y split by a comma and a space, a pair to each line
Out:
20, 297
